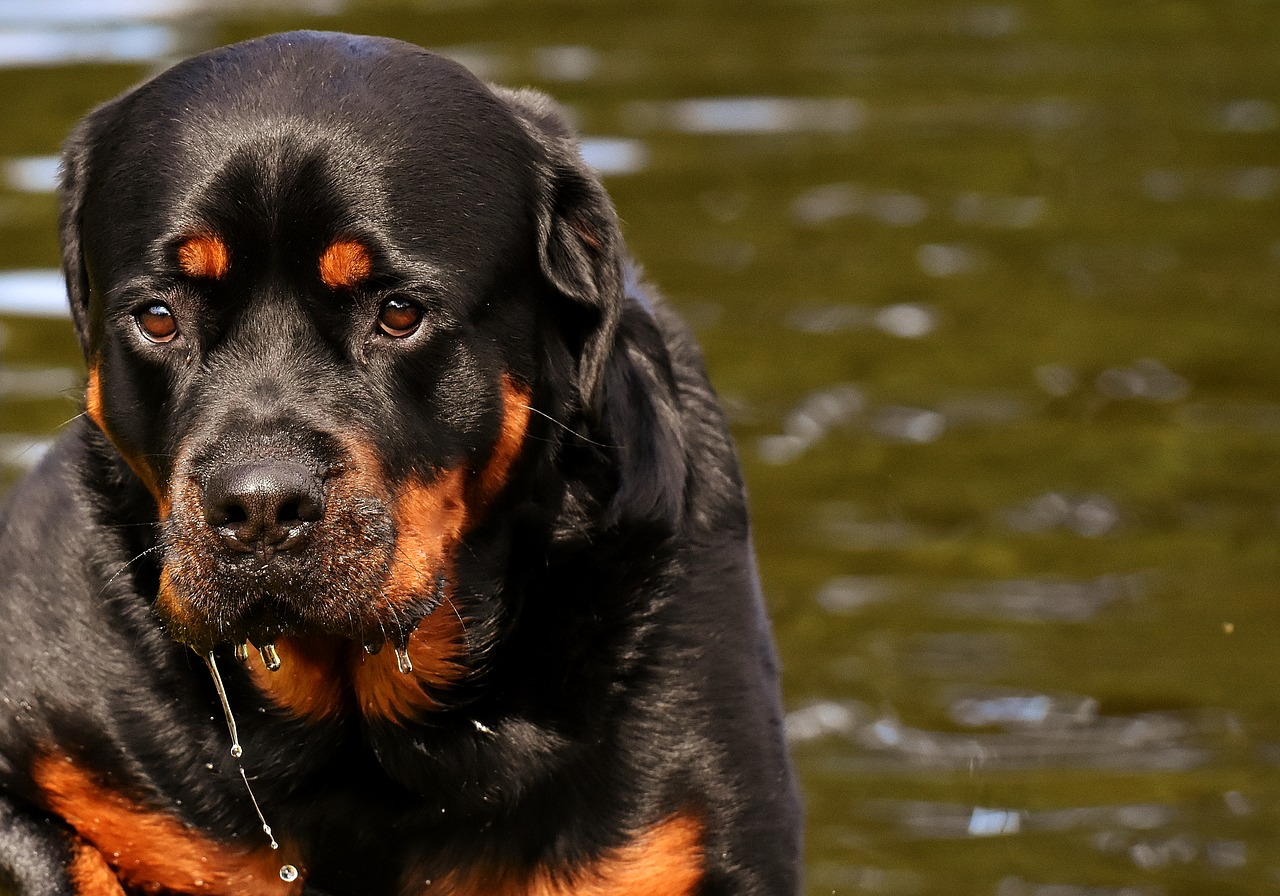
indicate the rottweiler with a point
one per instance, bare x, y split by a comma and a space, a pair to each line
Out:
401, 547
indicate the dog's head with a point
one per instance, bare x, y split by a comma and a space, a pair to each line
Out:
322, 283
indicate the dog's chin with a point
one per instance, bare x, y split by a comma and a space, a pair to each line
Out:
217, 616
261, 623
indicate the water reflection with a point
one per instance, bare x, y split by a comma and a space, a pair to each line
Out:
996, 211
1089, 515
981, 707
748, 115
879, 742
1016, 886
567, 63
1252, 184
35, 174
71, 14
1246, 116
614, 155
949, 259
1146, 379
41, 293
1032, 600
905, 320
831, 202
811, 420
37, 382
104, 43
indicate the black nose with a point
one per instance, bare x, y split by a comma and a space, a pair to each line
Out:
266, 505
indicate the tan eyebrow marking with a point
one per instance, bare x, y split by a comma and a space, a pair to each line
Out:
204, 256
345, 263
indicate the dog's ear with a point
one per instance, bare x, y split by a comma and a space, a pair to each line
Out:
579, 241
623, 353
77, 153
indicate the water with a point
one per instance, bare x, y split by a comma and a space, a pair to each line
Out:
270, 658
237, 753
990, 292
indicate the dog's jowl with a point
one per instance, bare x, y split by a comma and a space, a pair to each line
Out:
383, 430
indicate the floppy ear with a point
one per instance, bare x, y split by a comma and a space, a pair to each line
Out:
72, 184
579, 242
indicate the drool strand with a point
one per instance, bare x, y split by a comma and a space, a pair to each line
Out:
236, 750
288, 873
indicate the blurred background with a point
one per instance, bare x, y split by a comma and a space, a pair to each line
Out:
990, 292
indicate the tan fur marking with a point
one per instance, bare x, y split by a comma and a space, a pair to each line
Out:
168, 603
515, 424
430, 519
664, 860
345, 264
93, 399
204, 256
150, 850
312, 675
384, 692
91, 875
94, 411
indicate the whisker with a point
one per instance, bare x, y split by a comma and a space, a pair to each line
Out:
567, 428
149, 550
443, 593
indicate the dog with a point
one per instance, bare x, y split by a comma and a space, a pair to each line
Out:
401, 547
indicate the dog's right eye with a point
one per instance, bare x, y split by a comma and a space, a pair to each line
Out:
156, 323
399, 318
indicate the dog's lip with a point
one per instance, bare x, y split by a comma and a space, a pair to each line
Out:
256, 553
270, 618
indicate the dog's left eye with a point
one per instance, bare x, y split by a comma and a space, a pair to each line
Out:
157, 324
399, 318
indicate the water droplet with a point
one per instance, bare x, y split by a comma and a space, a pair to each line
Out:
403, 663
242, 651
270, 658
237, 751
288, 873
482, 727
373, 648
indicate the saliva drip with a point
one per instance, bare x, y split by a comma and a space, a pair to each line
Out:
288, 873
270, 658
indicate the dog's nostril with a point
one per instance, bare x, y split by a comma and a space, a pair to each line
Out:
263, 504
289, 513
231, 515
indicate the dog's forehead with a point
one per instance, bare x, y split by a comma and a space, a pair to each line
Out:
378, 129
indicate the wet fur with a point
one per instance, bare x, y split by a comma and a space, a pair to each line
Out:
610, 670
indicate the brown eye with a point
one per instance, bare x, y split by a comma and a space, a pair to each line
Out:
399, 318
157, 324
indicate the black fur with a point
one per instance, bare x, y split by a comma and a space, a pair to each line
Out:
615, 668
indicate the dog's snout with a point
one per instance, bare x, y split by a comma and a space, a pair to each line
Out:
265, 505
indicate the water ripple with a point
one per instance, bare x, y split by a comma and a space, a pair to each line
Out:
1035, 600
882, 743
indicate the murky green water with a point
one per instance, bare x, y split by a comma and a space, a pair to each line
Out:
991, 292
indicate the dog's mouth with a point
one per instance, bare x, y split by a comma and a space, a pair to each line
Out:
319, 540
268, 548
